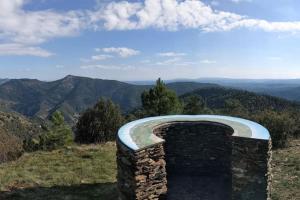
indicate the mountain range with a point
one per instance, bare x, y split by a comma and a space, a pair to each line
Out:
284, 88
72, 95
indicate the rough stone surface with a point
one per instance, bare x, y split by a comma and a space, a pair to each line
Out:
249, 164
142, 174
196, 148
199, 160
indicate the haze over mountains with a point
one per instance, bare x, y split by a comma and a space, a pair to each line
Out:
284, 88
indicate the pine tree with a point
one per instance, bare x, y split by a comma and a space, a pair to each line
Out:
160, 100
194, 105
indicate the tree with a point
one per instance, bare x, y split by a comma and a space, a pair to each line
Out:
234, 107
194, 105
58, 134
160, 100
57, 118
100, 123
280, 126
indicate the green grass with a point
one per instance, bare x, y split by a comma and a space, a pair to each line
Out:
89, 172
77, 172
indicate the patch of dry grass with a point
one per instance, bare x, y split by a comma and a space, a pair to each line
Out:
286, 172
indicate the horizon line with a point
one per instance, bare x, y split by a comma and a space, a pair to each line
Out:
153, 80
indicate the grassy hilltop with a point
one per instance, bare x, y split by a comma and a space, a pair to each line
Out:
89, 173
78, 172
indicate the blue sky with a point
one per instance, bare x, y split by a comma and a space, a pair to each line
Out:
144, 40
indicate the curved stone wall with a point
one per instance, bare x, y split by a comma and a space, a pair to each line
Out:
193, 157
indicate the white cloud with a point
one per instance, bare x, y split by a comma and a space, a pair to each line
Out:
239, 1
101, 57
120, 51
23, 50
185, 63
21, 31
176, 61
171, 54
162, 14
169, 61
208, 61
34, 27
26, 29
174, 14
106, 67
124, 52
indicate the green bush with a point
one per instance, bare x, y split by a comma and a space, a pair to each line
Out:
100, 123
280, 126
58, 134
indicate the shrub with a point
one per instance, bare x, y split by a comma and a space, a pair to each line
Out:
280, 126
100, 123
58, 134
10, 147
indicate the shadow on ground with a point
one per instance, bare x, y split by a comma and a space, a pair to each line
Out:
199, 188
99, 191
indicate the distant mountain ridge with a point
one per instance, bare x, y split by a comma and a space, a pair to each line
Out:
291, 93
74, 94
3, 81
216, 97
284, 88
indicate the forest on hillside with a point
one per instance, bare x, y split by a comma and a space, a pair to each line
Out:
101, 122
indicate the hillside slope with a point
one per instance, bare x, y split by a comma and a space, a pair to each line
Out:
73, 95
3, 81
291, 93
13, 129
215, 98
284, 88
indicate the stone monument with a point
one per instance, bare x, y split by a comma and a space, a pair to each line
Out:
193, 157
